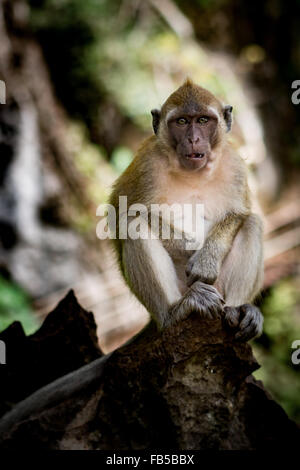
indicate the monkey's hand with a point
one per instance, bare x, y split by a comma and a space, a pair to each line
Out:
202, 266
247, 320
200, 298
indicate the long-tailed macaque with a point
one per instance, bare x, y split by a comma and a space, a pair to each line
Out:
189, 161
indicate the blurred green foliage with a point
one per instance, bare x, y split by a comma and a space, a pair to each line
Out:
66, 29
273, 350
121, 158
97, 173
15, 306
112, 50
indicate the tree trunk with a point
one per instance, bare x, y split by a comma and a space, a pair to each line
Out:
188, 387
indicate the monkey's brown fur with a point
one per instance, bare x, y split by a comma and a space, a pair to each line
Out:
168, 168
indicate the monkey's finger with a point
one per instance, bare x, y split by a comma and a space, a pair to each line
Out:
250, 332
210, 301
217, 307
200, 286
212, 295
210, 306
232, 316
214, 312
253, 329
251, 313
248, 318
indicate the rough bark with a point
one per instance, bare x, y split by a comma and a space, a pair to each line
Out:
66, 341
189, 387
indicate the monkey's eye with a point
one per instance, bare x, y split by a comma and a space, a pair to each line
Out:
203, 119
181, 121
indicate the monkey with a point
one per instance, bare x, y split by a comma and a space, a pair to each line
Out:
188, 160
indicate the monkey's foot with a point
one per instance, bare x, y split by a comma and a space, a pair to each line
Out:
246, 319
201, 298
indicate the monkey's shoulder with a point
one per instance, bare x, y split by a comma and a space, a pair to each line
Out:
138, 180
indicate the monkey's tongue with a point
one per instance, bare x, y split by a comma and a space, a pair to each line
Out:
195, 155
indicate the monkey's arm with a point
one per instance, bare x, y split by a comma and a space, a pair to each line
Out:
205, 264
241, 278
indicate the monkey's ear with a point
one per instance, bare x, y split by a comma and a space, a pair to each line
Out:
227, 113
155, 119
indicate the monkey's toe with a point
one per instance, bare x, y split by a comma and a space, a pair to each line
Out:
232, 316
201, 298
209, 301
247, 319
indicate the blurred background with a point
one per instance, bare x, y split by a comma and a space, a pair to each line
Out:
81, 78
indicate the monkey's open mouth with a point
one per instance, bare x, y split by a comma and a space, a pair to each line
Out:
195, 155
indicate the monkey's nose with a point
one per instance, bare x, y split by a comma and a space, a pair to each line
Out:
193, 140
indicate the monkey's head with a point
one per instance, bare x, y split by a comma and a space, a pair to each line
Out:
192, 122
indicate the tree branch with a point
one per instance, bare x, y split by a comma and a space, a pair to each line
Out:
189, 387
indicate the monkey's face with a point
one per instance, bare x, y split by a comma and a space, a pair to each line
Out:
193, 135
193, 122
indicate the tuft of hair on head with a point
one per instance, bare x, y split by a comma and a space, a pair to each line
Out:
188, 82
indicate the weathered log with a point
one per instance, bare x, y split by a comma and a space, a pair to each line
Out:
189, 387
66, 341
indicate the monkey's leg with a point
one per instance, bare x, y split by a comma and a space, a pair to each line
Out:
241, 278
151, 275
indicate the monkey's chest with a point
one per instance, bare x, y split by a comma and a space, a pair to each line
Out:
183, 229
189, 224
190, 215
